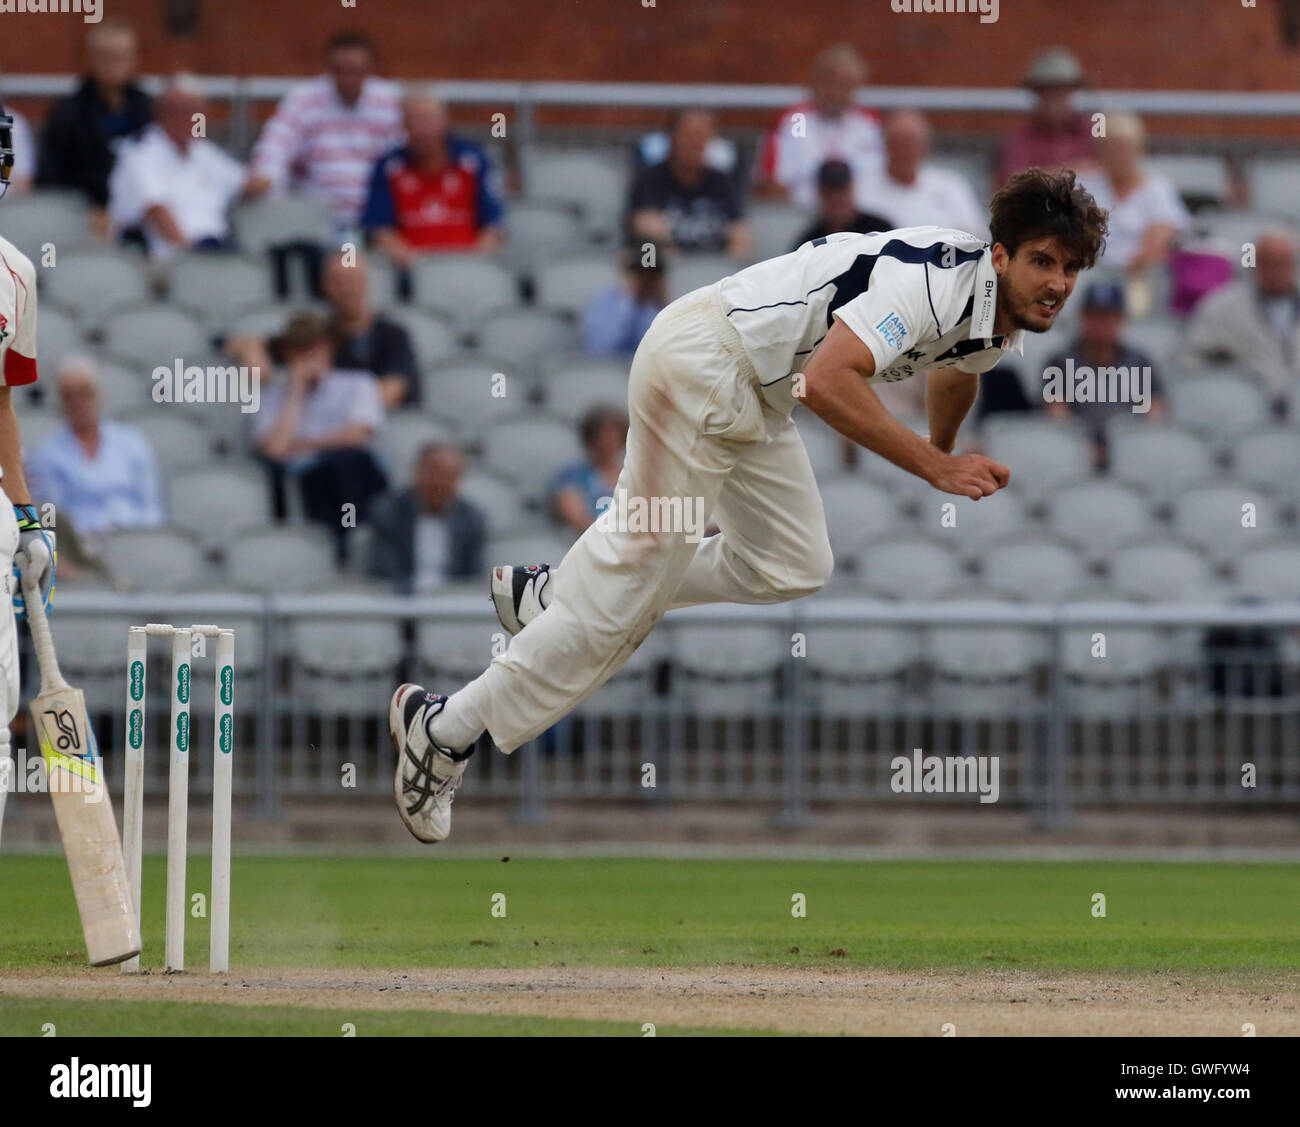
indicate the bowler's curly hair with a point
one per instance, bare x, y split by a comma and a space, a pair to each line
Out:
1035, 203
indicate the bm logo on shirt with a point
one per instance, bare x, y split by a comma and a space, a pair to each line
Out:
892, 329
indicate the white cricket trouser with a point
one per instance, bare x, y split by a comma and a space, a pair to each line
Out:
699, 428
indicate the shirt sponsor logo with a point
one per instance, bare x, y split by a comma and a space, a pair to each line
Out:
892, 330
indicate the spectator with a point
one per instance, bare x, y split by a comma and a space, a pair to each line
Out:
1254, 323
685, 204
812, 132
583, 490
327, 133
317, 425
1145, 209
1055, 135
616, 320
837, 209
101, 473
916, 194
428, 535
84, 131
23, 171
436, 193
1100, 348
173, 187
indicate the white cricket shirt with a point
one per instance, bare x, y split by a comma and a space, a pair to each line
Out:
17, 317
918, 298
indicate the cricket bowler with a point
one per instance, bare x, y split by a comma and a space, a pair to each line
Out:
19, 525
711, 392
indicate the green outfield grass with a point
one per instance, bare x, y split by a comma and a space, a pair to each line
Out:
1229, 920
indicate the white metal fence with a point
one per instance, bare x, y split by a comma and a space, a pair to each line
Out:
796, 704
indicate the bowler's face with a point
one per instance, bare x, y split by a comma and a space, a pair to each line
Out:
1034, 285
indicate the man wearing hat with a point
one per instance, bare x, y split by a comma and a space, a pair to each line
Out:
1101, 377
1056, 135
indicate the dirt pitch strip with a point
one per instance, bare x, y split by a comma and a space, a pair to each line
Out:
783, 999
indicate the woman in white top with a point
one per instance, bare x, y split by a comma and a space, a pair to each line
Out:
1145, 209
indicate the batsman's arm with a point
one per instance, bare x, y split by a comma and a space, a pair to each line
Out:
835, 388
11, 459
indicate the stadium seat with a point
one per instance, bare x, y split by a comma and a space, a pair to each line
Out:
858, 512
57, 336
983, 671
500, 503
1210, 516
342, 665
381, 280
1096, 516
1158, 458
38, 425
1270, 571
155, 336
825, 446
909, 566
261, 224
979, 524
523, 335
1042, 453
569, 284
280, 560
1273, 186
153, 559
1032, 568
775, 227
1269, 456
461, 392
432, 338
1218, 407
541, 546
687, 272
451, 651
595, 184
401, 438
858, 670
1199, 177
530, 450
217, 501
1163, 570
90, 649
91, 284
215, 287
268, 319
176, 439
1116, 683
48, 215
460, 286
574, 387
1161, 340
122, 390
727, 671
535, 227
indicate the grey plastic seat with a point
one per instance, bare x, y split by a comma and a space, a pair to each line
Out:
858, 670
1097, 515
94, 283
539, 227
1195, 174
431, 337
122, 390
1033, 568
530, 450
155, 336
1161, 460
593, 183
278, 560
524, 335
47, 215
1040, 453
1268, 456
728, 670
276, 220
153, 559
343, 665
689, 272
541, 546
1163, 570
500, 503
983, 671
215, 287
571, 390
174, 436
90, 649
858, 512
460, 286
1270, 571
1211, 516
1118, 682
979, 524
775, 226
1218, 406
57, 335
268, 319
825, 447
909, 566
402, 437
220, 500
461, 393
569, 284
452, 651
1272, 186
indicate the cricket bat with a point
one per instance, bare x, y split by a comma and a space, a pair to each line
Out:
79, 791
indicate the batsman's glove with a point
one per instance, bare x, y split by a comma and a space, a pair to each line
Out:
36, 550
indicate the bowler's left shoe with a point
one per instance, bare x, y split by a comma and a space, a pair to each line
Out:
427, 773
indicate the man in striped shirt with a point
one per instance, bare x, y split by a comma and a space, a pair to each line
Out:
326, 134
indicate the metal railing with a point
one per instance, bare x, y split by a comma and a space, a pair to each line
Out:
792, 705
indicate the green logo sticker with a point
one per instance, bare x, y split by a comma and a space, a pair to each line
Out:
183, 684
227, 733
183, 732
137, 680
227, 684
135, 728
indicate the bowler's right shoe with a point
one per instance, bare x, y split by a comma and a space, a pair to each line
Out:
427, 773
520, 592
